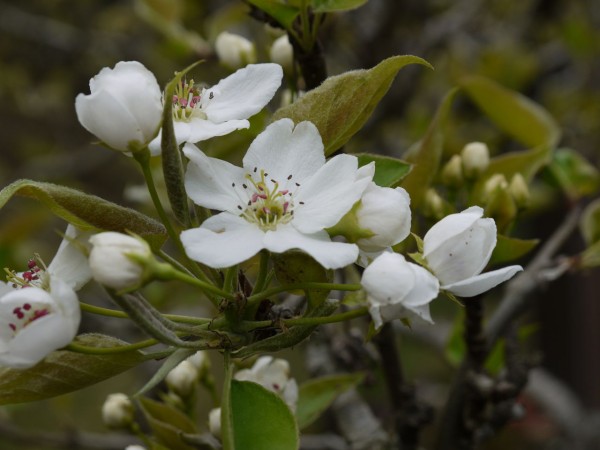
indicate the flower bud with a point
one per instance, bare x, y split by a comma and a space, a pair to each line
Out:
214, 422
183, 378
495, 182
501, 207
124, 108
117, 411
234, 51
475, 159
452, 172
135, 447
519, 190
282, 53
433, 205
116, 259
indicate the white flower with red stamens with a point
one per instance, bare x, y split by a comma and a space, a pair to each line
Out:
200, 113
39, 310
283, 198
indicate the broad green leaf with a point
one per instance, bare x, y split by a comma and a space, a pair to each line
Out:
86, 211
428, 154
520, 117
325, 6
65, 371
343, 103
171, 156
526, 162
590, 223
261, 419
576, 176
168, 423
283, 13
315, 396
170, 363
388, 171
508, 249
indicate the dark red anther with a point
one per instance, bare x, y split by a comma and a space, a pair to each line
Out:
12, 326
31, 264
28, 276
26, 306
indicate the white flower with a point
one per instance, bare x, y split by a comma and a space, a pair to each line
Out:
234, 51
458, 248
282, 53
200, 114
386, 213
124, 108
396, 288
282, 199
182, 379
39, 310
274, 375
111, 262
117, 411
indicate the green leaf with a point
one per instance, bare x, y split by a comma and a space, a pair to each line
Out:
168, 424
590, 222
343, 103
520, 117
527, 163
576, 176
325, 6
261, 419
428, 154
171, 157
388, 171
315, 396
508, 249
65, 371
170, 363
86, 211
283, 13
591, 256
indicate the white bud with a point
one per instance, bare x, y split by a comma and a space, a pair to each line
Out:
282, 53
433, 204
214, 422
182, 379
200, 361
117, 411
234, 51
452, 174
135, 447
115, 259
519, 190
496, 181
475, 159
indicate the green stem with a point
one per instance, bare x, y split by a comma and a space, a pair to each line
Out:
226, 413
307, 321
230, 280
110, 350
168, 258
121, 315
204, 285
303, 286
262, 272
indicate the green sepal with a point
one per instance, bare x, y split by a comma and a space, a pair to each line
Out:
349, 227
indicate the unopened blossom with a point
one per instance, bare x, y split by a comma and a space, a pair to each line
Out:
214, 422
39, 309
475, 159
117, 411
234, 51
202, 113
124, 108
183, 378
398, 289
458, 248
282, 53
274, 375
114, 259
519, 190
283, 198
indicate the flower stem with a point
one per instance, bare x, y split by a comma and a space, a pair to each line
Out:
205, 286
307, 321
226, 413
122, 315
110, 350
262, 272
304, 286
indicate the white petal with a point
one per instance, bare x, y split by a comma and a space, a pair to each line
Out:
243, 93
201, 129
425, 289
450, 226
208, 181
328, 195
388, 279
67, 304
331, 255
223, 241
70, 263
282, 150
482, 283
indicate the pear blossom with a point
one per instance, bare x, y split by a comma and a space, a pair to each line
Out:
396, 288
283, 198
234, 51
457, 249
117, 411
282, 53
124, 108
110, 260
475, 159
39, 309
203, 113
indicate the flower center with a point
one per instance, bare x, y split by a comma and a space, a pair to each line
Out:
188, 101
32, 277
268, 203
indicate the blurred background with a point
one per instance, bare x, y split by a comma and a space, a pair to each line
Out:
548, 50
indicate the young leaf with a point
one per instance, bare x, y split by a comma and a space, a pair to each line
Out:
168, 424
343, 103
389, 172
283, 13
315, 396
576, 176
261, 419
590, 223
65, 371
87, 211
508, 249
426, 158
520, 117
325, 6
